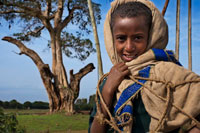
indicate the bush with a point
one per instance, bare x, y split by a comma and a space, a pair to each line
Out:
81, 104
9, 123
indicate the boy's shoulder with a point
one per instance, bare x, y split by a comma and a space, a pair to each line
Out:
169, 71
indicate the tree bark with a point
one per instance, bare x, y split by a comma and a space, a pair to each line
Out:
45, 73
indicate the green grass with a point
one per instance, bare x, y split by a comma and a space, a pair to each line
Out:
27, 111
57, 122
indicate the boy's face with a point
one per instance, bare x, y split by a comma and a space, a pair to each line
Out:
130, 37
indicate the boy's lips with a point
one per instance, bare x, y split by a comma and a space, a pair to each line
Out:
128, 58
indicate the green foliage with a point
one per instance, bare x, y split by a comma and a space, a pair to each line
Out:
6, 104
27, 105
81, 101
9, 123
75, 47
40, 105
81, 104
13, 104
92, 99
26, 35
81, 18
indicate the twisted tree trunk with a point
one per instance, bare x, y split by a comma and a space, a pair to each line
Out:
61, 94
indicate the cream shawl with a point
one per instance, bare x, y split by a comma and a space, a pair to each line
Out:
168, 109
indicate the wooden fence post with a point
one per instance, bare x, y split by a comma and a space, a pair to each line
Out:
189, 37
177, 28
100, 68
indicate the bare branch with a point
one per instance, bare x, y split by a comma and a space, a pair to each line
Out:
45, 71
17, 53
11, 11
24, 50
75, 78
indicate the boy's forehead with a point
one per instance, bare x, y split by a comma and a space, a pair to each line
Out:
141, 18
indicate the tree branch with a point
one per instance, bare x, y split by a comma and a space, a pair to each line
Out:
24, 50
75, 78
68, 5
31, 11
45, 71
11, 11
59, 13
35, 31
69, 17
48, 9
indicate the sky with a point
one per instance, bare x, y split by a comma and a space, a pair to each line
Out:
20, 78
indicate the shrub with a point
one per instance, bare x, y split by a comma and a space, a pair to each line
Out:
9, 123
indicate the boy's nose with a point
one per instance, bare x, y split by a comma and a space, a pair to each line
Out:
129, 46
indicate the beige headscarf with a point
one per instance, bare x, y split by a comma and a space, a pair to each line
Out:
168, 72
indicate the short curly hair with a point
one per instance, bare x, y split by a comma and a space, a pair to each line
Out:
132, 9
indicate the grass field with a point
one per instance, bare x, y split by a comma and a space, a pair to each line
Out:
39, 121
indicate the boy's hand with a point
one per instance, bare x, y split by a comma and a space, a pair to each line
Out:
116, 75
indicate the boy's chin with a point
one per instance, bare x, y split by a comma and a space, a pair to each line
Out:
128, 59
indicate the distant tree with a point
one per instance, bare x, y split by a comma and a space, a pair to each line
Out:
81, 104
27, 105
6, 104
54, 16
92, 99
13, 104
40, 105
84, 101
78, 101
1, 103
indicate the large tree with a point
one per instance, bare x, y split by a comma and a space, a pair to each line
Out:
54, 16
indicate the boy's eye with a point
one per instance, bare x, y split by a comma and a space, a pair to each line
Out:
138, 37
121, 38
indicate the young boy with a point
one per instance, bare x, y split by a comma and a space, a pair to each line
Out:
135, 36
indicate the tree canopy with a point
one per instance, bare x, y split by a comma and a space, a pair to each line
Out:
35, 16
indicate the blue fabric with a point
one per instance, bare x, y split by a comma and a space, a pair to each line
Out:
126, 108
160, 55
126, 95
173, 59
165, 55
131, 90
